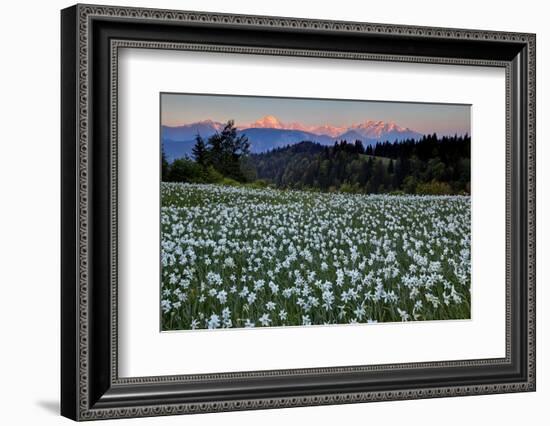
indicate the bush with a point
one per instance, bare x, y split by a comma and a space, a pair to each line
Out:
258, 184
229, 182
434, 188
211, 175
185, 170
409, 185
348, 188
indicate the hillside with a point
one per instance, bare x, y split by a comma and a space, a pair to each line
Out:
409, 166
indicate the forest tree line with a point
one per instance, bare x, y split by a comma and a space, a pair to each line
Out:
430, 165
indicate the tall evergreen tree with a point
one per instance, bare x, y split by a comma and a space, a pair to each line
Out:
200, 152
226, 150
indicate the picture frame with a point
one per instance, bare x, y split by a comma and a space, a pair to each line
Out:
91, 37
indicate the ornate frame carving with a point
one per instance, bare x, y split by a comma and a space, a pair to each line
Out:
111, 396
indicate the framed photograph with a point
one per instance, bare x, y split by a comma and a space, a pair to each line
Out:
263, 212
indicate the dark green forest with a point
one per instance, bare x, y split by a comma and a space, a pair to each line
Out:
430, 165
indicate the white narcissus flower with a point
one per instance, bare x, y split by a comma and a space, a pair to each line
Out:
264, 320
222, 296
403, 314
213, 321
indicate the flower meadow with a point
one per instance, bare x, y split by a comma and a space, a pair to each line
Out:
246, 257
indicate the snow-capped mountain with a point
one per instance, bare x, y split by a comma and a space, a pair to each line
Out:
268, 122
378, 129
269, 132
272, 122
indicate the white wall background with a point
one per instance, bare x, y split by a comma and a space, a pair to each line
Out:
29, 212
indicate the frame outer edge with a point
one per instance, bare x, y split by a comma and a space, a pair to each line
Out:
81, 318
69, 220
83, 104
531, 200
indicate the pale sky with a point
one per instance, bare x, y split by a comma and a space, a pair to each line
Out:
178, 109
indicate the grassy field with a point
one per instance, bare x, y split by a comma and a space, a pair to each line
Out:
243, 257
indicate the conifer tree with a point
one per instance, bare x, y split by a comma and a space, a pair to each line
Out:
200, 152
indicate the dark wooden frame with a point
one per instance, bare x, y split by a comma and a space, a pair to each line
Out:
90, 386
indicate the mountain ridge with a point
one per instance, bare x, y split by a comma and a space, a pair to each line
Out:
270, 133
